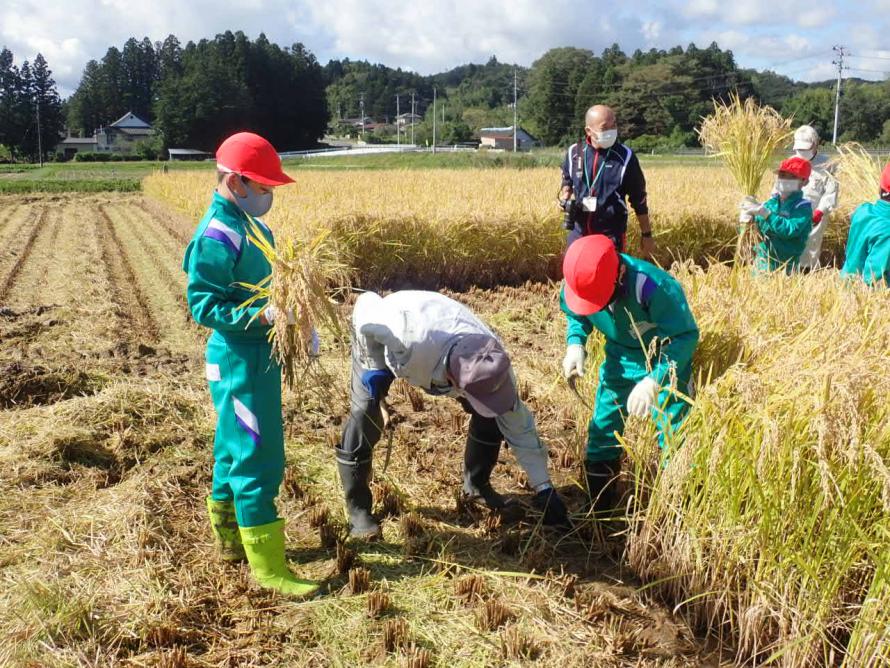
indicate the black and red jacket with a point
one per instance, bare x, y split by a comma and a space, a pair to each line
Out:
614, 176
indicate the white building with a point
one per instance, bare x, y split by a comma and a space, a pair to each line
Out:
118, 137
502, 138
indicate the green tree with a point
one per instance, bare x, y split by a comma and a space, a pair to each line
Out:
11, 121
864, 108
812, 106
48, 107
86, 108
553, 85
217, 87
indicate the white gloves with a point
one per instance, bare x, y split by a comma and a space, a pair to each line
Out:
271, 313
315, 346
750, 207
642, 398
573, 363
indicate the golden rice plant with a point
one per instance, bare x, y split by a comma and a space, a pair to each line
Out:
769, 517
859, 172
745, 136
474, 228
304, 281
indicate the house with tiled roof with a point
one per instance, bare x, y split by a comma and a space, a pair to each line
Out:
122, 137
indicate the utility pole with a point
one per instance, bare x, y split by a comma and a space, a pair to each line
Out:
412, 118
398, 122
39, 134
362, 105
434, 119
841, 52
515, 111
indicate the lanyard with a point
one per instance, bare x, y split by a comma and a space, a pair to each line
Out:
590, 184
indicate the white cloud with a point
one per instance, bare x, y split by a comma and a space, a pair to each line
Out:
767, 13
434, 35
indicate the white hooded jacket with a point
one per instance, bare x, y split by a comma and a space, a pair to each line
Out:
822, 193
411, 332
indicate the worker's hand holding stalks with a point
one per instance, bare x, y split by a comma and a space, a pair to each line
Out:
573, 363
748, 208
642, 398
273, 313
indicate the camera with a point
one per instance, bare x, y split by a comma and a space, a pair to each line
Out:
570, 209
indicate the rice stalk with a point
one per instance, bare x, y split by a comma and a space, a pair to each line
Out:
305, 279
859, 172
745, 136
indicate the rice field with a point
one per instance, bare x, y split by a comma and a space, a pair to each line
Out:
763, 541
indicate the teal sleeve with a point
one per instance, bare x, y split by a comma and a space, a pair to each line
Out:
677, 328
792, 226
578, 327
210, 277
854, 262
877, 262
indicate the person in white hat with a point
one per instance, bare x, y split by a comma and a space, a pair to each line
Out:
821, 192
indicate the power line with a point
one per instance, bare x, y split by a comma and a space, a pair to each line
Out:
871, 57
862, 69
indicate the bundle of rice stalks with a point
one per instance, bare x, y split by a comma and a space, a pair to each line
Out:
770, 519
859, 171
306, 279
745, 135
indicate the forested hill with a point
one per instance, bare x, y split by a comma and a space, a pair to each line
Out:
195, 94
660, 95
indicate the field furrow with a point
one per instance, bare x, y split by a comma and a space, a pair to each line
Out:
19, 250
27, 286
175, 225
161, 289
7, 218
134, 316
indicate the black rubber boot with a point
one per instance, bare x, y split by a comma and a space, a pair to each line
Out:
355, 477
480, 457
601, 484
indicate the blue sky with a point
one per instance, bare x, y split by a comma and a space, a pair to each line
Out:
793, 37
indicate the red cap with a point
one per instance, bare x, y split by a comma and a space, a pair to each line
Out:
591, 269
798, 166
885, 179
250, 155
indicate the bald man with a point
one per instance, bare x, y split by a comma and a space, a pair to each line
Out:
604, 175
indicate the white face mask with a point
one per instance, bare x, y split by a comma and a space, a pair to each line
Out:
604, 139
806, 155
787, 186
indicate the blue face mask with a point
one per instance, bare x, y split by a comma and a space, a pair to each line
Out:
253, 204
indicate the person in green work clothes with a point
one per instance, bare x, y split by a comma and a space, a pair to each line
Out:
868, 246
244, 378
784, 221
650, 336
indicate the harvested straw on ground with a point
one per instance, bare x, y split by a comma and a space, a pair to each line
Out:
303, 277
745, 135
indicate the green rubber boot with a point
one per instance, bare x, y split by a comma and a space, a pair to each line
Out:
225, 529
264, 546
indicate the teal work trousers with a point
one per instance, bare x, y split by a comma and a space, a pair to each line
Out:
248, 448
617, 377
